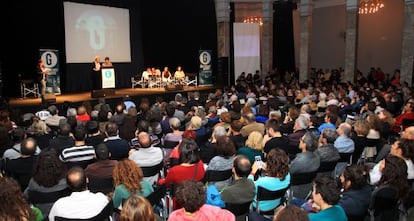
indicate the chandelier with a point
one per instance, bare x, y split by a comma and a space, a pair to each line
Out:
253, 19
370, 6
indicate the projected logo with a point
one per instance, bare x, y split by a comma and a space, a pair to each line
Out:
96, 25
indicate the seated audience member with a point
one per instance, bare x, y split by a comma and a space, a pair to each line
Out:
252, 125
209, 149
263, 113
287, 125
190, 166
119, 114
361, 129
241, 190
235, 135
147, 155
80, 154
387, 123
356, 194
304, 162
137, 208
276, 177
48, 177
253, 146
128, 180
41, 133
95, 136
19, 134
325, 197
299, 129
63, 139
273, 138
175, 135
82, 203
54, 120
5, 121
21, 168
344, 144
407, 113
403, 149
329, 122
225, 120
394, 174
192, 196
326, 150
82, 115
118, 147
225, 153
290, 213
196, 125
13, 204
103, 167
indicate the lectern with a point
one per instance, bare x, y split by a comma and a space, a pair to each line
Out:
108, 84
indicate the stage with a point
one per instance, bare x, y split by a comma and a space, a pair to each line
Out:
134, 93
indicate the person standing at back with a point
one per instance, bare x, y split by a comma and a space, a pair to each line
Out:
42, 71
96, 75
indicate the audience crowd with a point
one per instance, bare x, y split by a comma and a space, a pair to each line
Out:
268, 148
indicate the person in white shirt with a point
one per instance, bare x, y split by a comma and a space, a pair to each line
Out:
146, 74
404, 149
146, 155
82, 203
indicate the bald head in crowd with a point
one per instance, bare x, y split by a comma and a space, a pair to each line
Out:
28, 147
408, 133
144, 139
344, 129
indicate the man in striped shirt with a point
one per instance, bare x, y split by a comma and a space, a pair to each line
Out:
80, 154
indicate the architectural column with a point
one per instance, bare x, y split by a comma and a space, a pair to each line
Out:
351, 40
267, 38
223, 27
407, 54
306, 8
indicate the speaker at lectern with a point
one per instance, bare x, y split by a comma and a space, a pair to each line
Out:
108, 78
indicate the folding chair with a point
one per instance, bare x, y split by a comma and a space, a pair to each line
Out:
327, 168
216, 175
28, 87
265, 194
384, 204
240, 210
301, 184
101, 185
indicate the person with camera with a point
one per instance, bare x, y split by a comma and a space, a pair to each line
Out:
146, 154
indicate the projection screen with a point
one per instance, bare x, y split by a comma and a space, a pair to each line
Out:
246, 48
92, 30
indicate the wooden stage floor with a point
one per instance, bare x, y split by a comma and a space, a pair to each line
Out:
119, 93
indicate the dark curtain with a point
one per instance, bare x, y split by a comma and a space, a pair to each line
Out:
283, 41
174, 31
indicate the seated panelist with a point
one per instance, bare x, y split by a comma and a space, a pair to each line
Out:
179, 75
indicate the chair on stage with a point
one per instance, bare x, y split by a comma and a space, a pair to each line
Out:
141, 82
191, 79
28, 87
